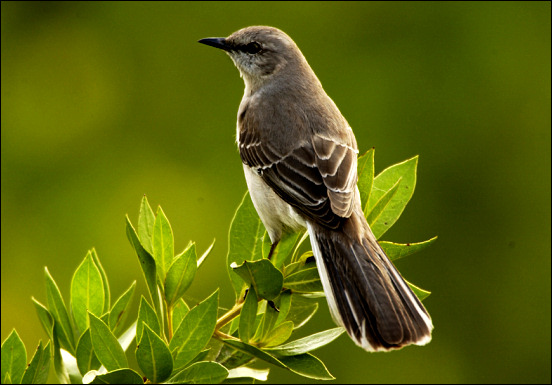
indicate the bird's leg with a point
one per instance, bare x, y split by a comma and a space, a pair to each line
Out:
272, 248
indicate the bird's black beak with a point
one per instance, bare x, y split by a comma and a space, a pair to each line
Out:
217, 42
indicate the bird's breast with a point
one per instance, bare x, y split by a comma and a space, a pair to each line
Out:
275, 213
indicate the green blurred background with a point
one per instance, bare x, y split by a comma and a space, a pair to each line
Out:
104, 102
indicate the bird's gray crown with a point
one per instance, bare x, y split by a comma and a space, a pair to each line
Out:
261, 51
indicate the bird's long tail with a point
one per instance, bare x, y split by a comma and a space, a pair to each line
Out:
365, 292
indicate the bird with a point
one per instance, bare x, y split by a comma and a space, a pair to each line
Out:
299, 157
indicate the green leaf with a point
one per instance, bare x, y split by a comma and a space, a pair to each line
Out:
146, 315
232, 358
203, 372
266, 325
307, 344
284, 305
61, 373
154, 356
119, 312
382, 204
307, 365
245, 240
107, 293
86, 358
46, 319
107, 348
301, 311
420, 293
87, 292
398, 250
57, 309
267, 245
284, 251
39, 367
299, 245
305, 261
14, 359
195, 331
305, 280
365, 170
292, 268
162, 242
146, 220
179, 312
105, 318
254, 351
248, 315
119, 376
146, 262
279, 334
200, 357
262, 274
385, 181
180, 275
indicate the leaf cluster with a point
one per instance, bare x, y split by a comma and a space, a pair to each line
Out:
179, 343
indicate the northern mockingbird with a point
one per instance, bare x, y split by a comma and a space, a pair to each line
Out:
299, 156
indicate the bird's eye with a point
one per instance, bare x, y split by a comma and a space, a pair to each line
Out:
252, 48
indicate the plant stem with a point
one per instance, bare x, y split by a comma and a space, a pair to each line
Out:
229, 316
223, 336
169, 321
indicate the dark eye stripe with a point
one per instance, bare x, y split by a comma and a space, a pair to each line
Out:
250, 48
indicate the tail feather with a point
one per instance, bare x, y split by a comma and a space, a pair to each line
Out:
365, 292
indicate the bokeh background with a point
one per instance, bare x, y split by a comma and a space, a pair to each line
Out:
104, 102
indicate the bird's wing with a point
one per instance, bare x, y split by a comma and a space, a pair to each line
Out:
317, 176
